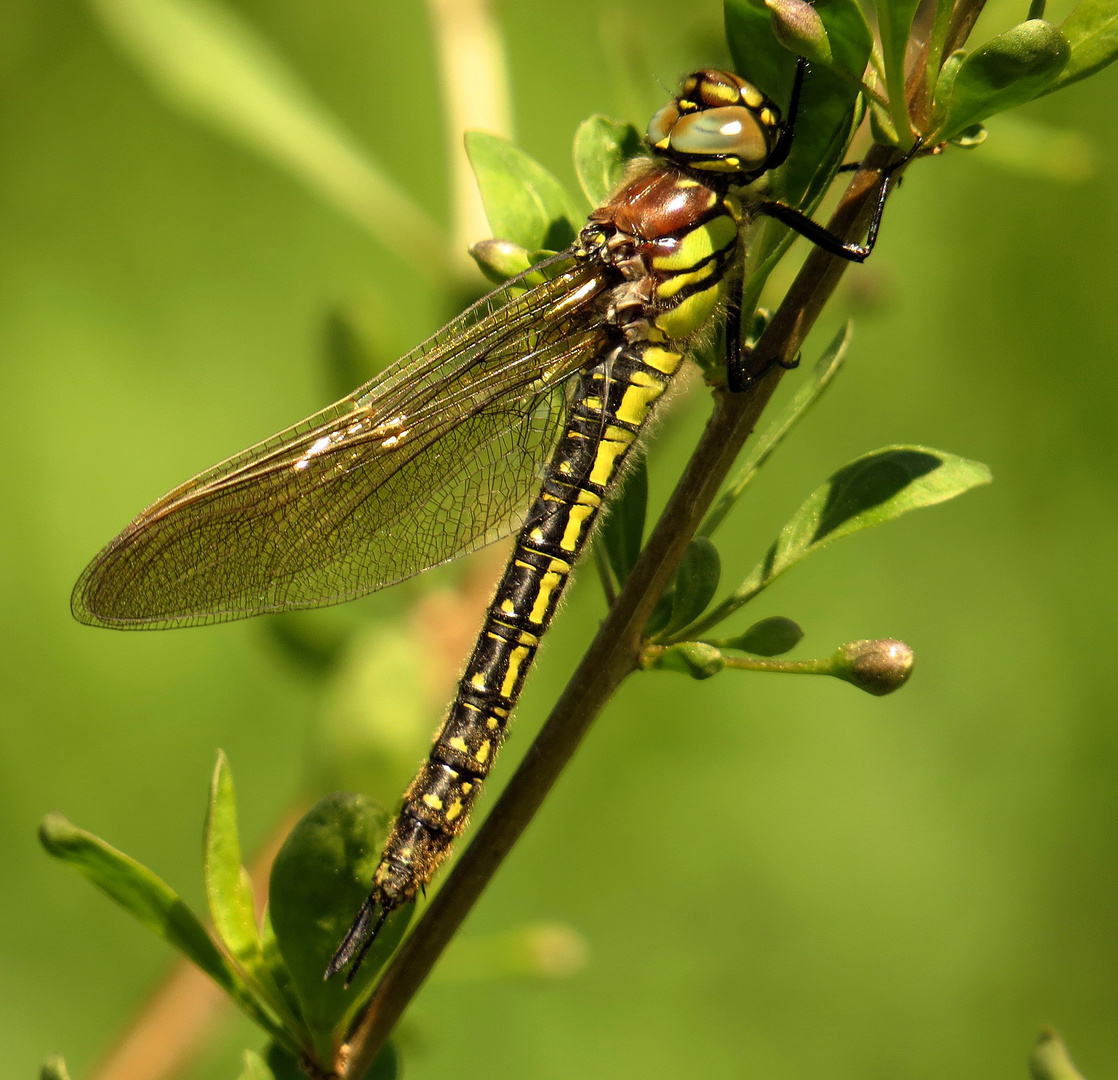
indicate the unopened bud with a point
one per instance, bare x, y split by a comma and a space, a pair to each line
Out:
500, 260
798, 27
879, 667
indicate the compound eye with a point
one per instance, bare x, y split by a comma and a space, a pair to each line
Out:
660, 126
731, 131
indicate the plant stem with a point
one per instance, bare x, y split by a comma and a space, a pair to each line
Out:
613, 653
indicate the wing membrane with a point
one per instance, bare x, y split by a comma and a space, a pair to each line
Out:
436, 456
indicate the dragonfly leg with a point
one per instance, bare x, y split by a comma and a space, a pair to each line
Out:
821, 236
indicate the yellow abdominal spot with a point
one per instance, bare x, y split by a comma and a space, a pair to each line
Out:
453, 810
491, 723
467, 787
641, 392
663, 360
478, 682
508, 607
576, 521
433, 801
482, 755
458, 743
512, 672
548, 583
605, 460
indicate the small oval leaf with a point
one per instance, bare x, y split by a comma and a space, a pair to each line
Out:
696, 582
768, 637
603, 149
320, 878
523, 201
1005, 72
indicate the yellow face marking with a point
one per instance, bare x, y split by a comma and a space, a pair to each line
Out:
512, 672
688, 316
718, 234
548, 584
433, 801
576, 521
459, 744
663, 360
752, 96
639, 395
767, 118
676, 282
718, 92
604, 461
453, 810
482, 755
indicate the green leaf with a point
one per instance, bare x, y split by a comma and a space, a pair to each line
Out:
320, 878
773, 636
281, 1064
828, 95
278, 977
623, 530
54, 1068
210, 63
154, 903
228, 888
1091, 31
894, 22
870, 491
826, 368
696, 582
1005, 72
523, 201
1050, 1059
602, 151
255, 1067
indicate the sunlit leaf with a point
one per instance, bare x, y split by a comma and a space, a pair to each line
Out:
1003, 73
1050, 1059
1091, 31
206, 60
523, 201
154, 903
602, 151
894, 23
54, 1068
254, 1067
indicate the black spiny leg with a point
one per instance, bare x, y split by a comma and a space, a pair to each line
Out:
823, 237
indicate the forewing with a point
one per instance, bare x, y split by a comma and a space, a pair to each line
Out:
436, 456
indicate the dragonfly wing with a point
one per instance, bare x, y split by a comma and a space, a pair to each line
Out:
436, 456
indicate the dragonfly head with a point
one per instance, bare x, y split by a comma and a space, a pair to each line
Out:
719, 123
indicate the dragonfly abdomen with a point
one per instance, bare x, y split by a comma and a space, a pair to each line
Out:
669, 238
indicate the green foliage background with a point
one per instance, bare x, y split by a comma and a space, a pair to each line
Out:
777, 877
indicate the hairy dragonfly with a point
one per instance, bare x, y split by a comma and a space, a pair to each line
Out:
555, 374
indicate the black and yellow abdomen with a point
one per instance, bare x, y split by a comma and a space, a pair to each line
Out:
669, 239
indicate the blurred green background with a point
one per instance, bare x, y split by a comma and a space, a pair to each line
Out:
776, 877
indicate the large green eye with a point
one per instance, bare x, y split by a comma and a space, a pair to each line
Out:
730, 131
660, 126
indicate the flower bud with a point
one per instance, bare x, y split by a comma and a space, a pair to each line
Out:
879, 667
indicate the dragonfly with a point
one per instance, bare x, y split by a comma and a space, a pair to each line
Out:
517, 417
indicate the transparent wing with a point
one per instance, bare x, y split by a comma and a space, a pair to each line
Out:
436, 456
